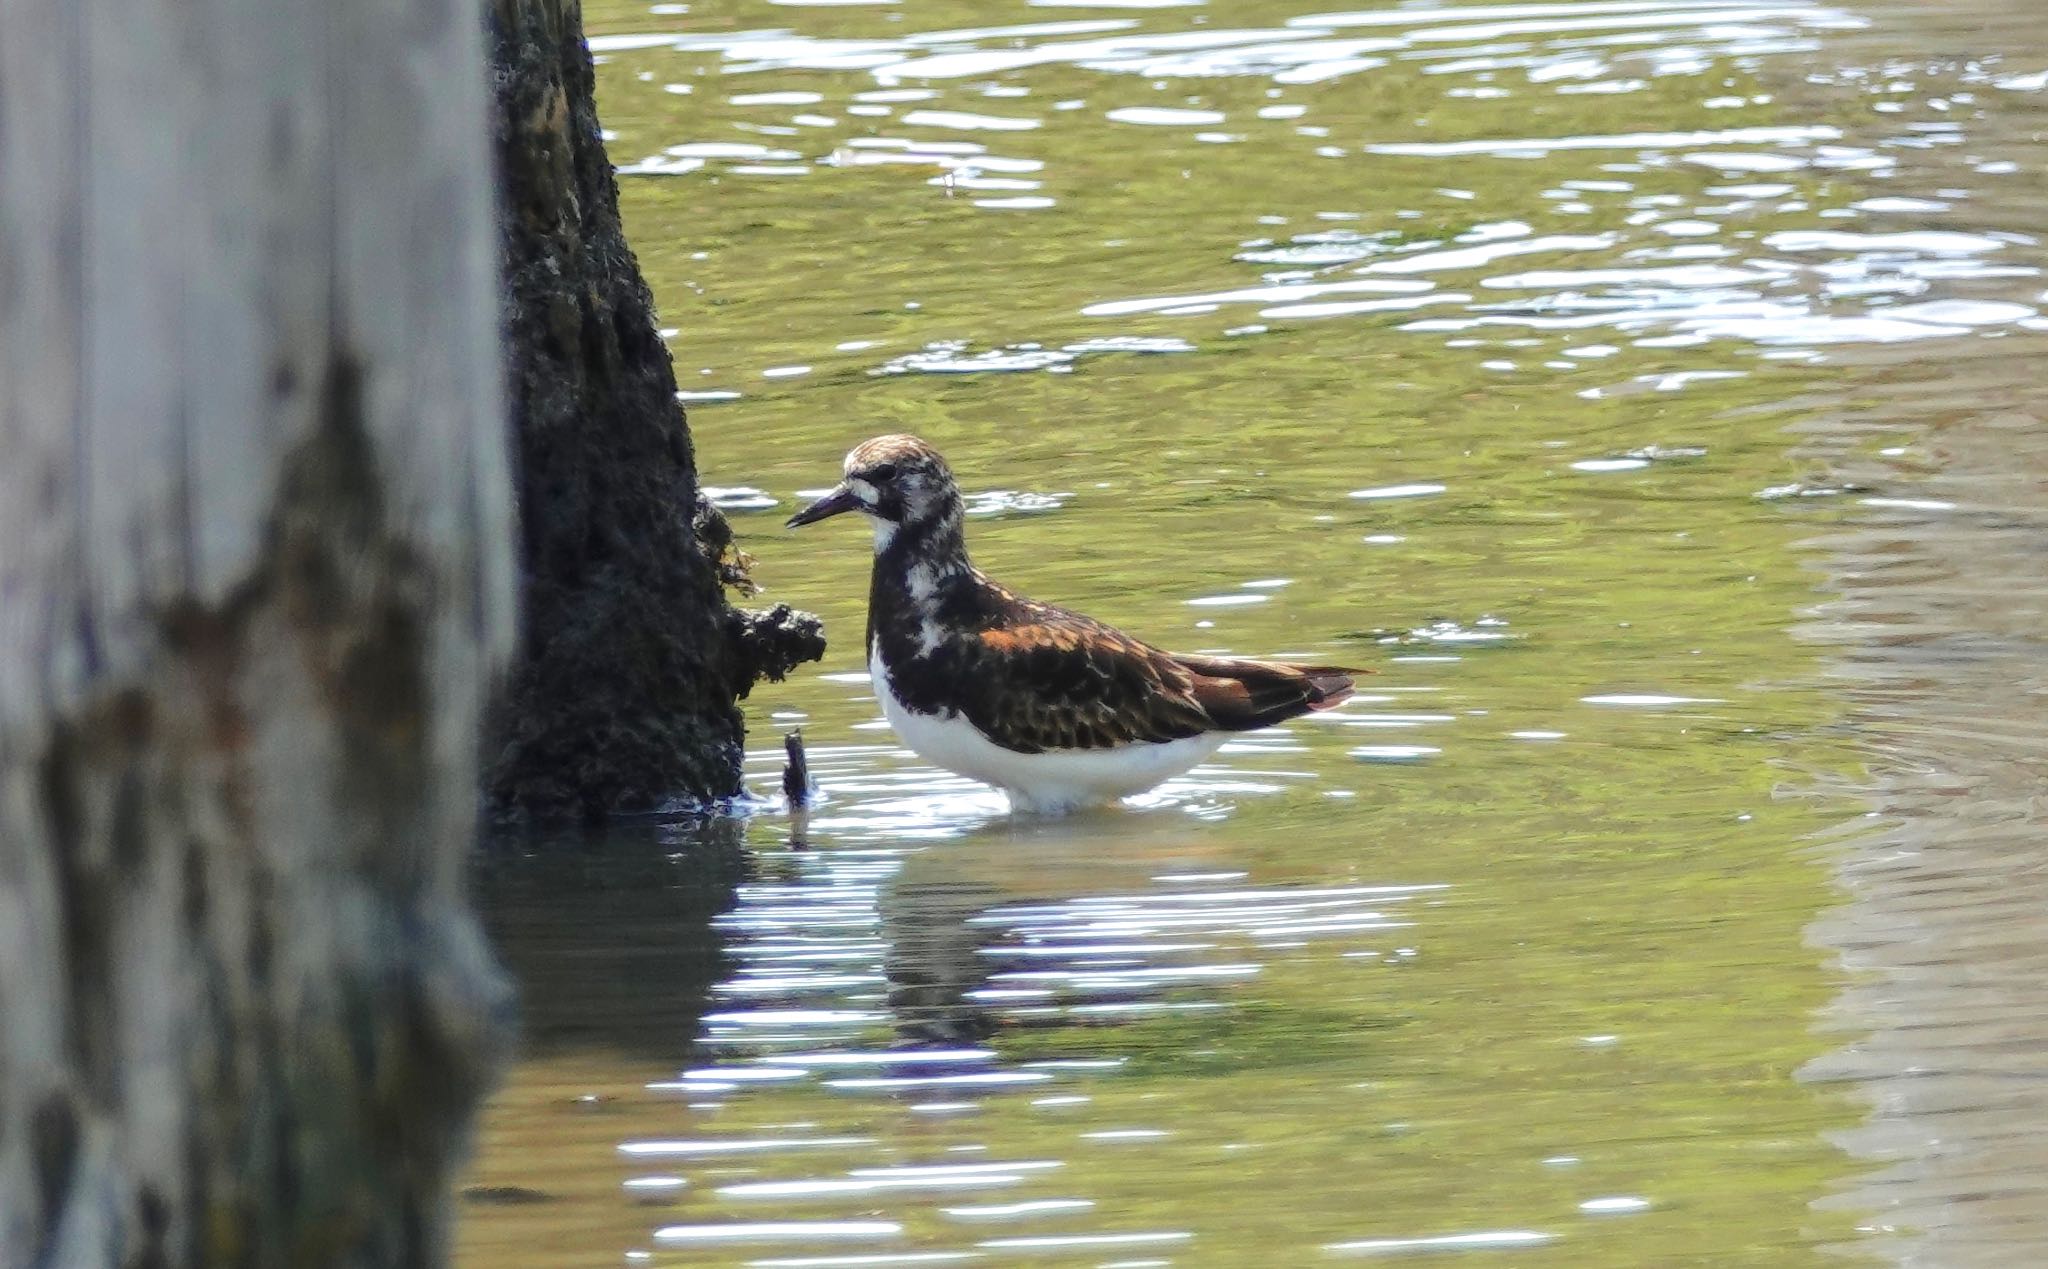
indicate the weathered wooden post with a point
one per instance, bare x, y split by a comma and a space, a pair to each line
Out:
255, 562
623, 696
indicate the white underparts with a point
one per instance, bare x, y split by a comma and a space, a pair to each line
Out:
1049, 782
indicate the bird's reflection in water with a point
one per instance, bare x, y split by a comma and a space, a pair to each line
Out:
934, 960
688, 1001
937, 930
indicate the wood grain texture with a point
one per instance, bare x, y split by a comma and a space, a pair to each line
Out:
255, 575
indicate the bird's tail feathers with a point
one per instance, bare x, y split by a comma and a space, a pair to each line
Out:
1240, 695
1329, 685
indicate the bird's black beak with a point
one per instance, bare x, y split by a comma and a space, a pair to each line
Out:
840, 499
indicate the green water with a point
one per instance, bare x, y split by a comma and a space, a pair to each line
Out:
1510, 948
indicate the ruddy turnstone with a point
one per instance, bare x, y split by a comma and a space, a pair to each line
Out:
1055, 709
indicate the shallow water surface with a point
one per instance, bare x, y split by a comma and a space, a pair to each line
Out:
1547, 358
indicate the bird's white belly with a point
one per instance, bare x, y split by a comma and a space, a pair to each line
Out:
1054, 781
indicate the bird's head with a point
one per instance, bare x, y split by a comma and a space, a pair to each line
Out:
896, 481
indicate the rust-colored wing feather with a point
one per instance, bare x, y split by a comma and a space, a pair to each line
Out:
1064, 681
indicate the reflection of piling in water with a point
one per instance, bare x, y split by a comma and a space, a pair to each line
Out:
1942, 598
608, 931
934, 959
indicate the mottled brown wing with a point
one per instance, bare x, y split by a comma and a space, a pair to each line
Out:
1075, 684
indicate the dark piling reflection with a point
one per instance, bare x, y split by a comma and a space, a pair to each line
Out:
608, 932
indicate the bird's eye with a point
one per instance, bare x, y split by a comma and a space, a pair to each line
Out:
882, 472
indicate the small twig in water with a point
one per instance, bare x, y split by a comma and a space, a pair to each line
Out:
796, 774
